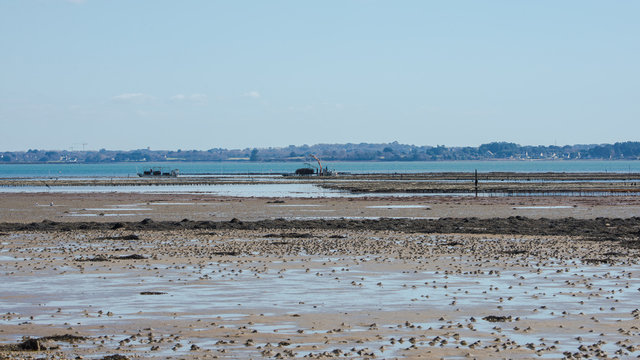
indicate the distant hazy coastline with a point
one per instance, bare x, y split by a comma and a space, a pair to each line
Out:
335, 152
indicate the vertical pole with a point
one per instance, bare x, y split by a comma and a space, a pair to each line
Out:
476, 182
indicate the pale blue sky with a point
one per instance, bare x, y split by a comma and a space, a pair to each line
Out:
123, 74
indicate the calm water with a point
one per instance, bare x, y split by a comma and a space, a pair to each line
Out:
235, 190
130, 169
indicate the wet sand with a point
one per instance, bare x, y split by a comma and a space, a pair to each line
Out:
36, 207
496, 283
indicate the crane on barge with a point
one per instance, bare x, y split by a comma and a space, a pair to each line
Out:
323, 171
320, 170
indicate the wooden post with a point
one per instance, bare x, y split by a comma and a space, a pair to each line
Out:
476, 182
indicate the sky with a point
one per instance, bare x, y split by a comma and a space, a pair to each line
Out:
202, 74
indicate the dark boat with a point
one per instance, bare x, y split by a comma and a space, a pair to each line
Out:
159, 172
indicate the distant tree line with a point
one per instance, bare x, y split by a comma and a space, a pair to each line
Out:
337, 152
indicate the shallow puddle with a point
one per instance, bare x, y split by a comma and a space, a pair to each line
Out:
116, 209
104, 214
398, 207
294, 205
544, 207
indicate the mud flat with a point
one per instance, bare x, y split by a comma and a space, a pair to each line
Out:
179, 276
310, 291
489, 184
492, 188
134, 207
623, 231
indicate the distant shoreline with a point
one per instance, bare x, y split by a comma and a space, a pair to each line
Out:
297, 161
338, 152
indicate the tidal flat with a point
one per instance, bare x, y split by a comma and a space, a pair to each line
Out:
269, 293
184, 276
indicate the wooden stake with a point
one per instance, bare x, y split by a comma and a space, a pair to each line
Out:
476, 182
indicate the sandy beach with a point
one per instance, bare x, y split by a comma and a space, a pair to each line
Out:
115, 276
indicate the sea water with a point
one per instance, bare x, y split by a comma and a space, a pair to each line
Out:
130, 169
